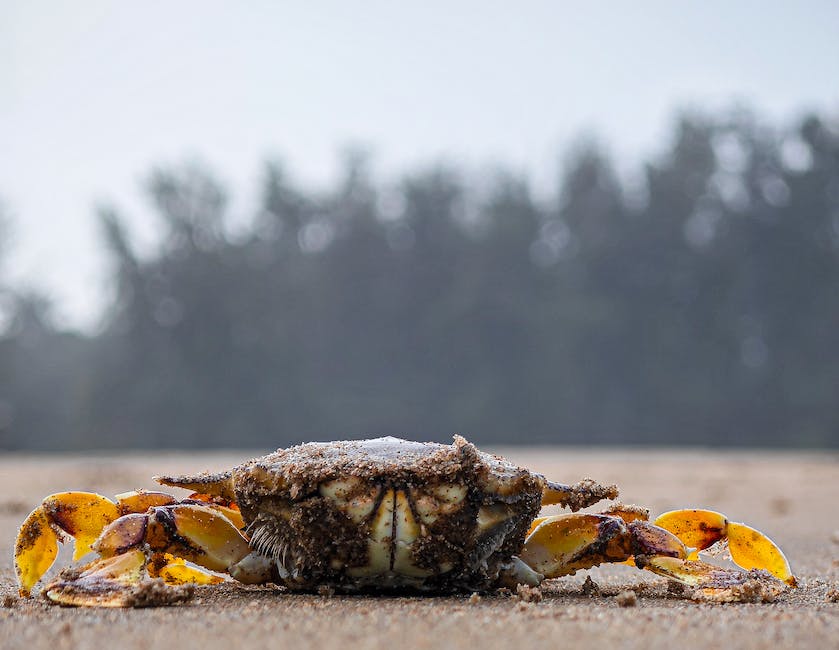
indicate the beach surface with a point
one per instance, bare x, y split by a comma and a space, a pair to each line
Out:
793, 497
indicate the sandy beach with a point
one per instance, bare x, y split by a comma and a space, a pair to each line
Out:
793, 497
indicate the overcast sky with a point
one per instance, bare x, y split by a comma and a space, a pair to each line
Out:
93, 94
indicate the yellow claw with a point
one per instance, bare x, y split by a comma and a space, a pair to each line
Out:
698, 529
35, 550
751, 549
83, 515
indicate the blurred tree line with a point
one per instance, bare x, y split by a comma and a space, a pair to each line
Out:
697, 304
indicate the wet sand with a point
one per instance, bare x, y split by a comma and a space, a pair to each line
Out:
792, 497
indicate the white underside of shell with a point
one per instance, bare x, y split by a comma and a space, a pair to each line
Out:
394, 524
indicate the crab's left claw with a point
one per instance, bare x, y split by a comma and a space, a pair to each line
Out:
81, 515
749, 548
562, 544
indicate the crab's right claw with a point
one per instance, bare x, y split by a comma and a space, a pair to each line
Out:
749, 548
81, 515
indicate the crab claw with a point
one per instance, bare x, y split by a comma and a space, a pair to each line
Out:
203, 530
148, 558
35, 550
81, 515
749, 548
563, 544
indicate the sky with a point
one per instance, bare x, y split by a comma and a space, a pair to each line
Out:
95, 94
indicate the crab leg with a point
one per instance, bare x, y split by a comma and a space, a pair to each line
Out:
136, 548
563, 544
580, 495
199, 530
218, 485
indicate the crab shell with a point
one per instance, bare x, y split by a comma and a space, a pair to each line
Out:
387, 513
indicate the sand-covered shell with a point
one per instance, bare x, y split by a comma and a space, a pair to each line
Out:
386, 513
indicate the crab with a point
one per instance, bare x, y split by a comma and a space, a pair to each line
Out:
375, 515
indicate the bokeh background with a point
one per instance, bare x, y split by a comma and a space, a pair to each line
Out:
253, 224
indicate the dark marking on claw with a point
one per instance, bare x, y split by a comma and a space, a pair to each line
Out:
61, 514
